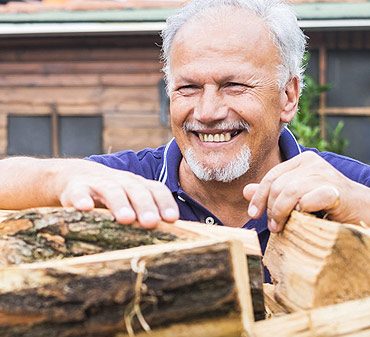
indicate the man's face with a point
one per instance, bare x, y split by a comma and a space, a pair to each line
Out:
224, 100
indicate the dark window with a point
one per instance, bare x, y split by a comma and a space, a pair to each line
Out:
312, 68
356, 130
164, 104
75, 136
349, 76
80, 136
29, 135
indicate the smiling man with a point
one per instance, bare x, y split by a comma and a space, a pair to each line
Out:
227, 109
233, 72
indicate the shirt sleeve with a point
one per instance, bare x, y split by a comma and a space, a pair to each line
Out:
144, 163
351, 168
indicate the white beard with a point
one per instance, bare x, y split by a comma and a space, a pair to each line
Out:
234, 169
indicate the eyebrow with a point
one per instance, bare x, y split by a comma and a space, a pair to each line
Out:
224, 79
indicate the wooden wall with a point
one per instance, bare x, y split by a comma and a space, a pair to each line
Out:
115, 76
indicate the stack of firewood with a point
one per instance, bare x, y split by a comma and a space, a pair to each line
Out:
69, 273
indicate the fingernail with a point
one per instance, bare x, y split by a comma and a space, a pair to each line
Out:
124, 213
149, 217
273, 226
84, 203
170, 213
252, 210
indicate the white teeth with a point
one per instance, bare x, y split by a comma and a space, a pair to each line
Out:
215, 138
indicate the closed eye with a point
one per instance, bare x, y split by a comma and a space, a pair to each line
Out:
235, 84
188, 89
236, 87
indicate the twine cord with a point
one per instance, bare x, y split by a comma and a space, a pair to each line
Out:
138, 267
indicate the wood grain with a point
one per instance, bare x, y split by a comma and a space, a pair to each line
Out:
316, 262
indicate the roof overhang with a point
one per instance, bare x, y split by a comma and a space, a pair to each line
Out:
312, 16
93, 28
47, 29
350, 24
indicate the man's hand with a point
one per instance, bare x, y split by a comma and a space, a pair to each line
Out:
29, 182
129, 197
307, 183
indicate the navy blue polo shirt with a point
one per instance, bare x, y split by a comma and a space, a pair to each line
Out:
162, 164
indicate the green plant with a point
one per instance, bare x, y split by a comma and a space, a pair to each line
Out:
306, 124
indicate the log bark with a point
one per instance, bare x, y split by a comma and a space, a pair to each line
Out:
104, 298
55, 233
315, 262
178, 276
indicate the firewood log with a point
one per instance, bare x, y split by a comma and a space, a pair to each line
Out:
67, 273
349, 319
316, 262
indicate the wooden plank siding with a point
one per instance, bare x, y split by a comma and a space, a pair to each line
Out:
116, 77
356, 39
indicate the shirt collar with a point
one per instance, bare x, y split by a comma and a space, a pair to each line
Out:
169, 174
172, 156
288, 145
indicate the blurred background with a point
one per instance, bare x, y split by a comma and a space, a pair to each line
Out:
84, 77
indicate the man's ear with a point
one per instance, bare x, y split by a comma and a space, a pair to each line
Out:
290, 97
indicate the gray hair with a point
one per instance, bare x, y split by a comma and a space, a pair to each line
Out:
277, 15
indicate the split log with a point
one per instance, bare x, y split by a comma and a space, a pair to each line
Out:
54, 233
349, 319
183, 277
316, 262
272, 307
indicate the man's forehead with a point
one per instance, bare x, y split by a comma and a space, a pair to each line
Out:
224, 20
215, 72
223, 28
227, 34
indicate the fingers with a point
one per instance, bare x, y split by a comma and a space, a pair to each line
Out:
259, 200
249, 191
164, 200
143, 204
116, 201
152, 201
78, 197
286, 195
128, 196
322, 198
325, 197
305, 182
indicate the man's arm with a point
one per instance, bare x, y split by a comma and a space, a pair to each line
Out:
308, 183
29, 182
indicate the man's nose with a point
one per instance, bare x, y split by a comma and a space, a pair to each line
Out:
210, 107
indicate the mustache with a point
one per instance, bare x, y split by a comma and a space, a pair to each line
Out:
194, 126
